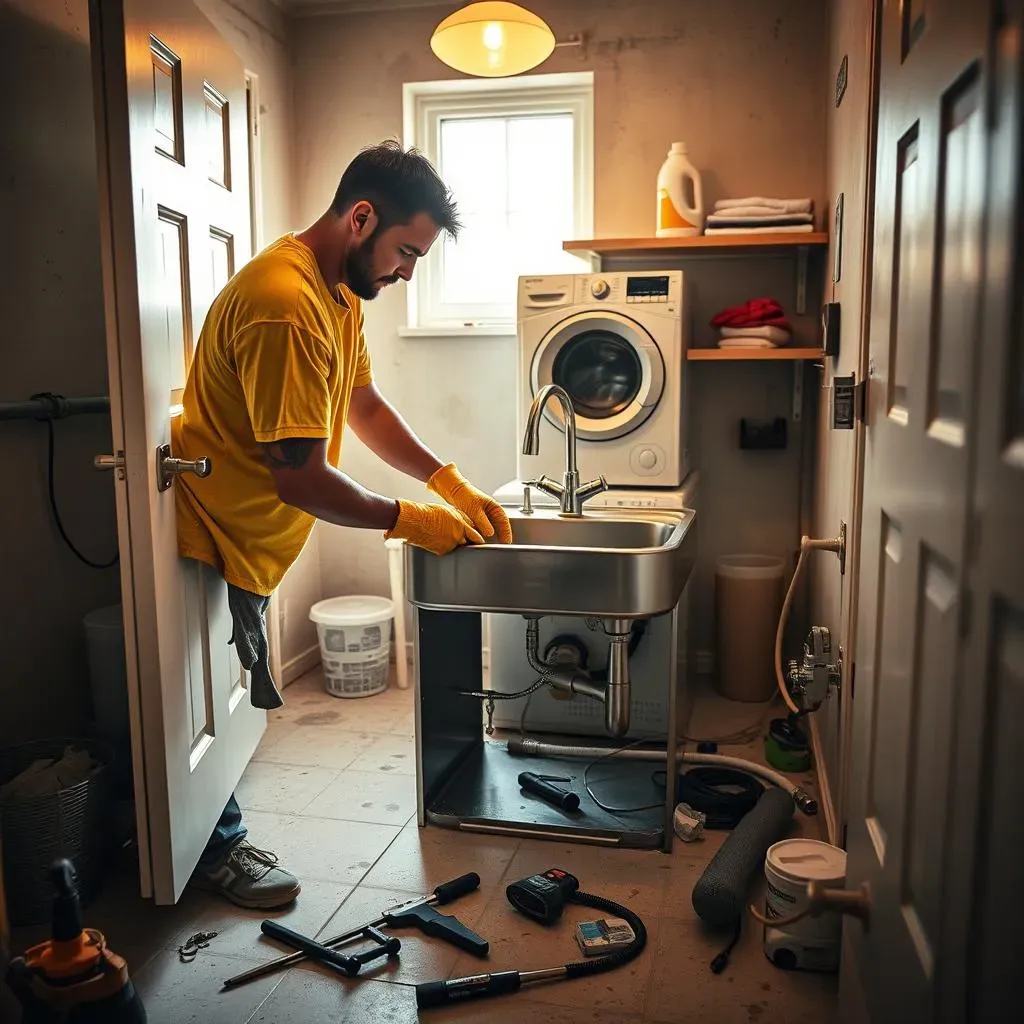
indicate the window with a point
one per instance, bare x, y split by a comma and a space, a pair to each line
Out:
518, 156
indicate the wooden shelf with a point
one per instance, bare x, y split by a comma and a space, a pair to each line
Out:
734, 354
699, 245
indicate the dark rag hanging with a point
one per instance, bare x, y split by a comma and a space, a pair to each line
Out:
249, 635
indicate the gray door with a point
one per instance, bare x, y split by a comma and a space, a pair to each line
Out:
937, 783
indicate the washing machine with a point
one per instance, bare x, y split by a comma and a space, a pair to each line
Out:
616, 343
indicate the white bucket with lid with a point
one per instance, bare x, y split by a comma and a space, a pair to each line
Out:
355, 643
812, 943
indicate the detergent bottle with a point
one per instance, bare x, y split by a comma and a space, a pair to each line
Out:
72, 977
677, 216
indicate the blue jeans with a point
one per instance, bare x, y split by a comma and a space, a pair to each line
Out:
227, 833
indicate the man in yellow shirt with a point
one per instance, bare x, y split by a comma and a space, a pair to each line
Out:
280, 367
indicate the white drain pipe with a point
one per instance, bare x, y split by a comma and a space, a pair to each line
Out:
526, 747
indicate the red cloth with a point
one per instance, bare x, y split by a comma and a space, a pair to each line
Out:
755, 313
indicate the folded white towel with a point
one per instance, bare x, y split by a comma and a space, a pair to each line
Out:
782, 205
723, 219
734, 230
756, 211
745, 343
776, 335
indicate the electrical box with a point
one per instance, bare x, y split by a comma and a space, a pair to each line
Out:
844, 402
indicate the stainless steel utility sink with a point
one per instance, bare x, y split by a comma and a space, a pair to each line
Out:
603, 563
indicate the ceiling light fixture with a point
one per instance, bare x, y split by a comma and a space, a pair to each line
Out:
492, 39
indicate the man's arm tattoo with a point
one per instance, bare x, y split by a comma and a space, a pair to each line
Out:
289, 452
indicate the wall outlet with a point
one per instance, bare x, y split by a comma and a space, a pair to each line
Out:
704, 662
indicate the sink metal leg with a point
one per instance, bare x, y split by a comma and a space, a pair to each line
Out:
448, 726
671, 729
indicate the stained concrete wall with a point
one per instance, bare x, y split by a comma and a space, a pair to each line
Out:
742, 83
52, 339
833, 598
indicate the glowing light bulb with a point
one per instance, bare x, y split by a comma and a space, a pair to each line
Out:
494, 36
492, 39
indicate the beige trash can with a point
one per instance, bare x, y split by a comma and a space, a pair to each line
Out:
748, 601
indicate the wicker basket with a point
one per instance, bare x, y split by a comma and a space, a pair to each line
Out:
36, 831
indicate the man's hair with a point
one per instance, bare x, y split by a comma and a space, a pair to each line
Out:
399, 183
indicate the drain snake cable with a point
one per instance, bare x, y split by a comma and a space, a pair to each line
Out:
442, 993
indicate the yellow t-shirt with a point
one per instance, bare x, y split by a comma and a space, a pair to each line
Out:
278, 356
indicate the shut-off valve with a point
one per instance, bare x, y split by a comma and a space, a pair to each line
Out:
812, 680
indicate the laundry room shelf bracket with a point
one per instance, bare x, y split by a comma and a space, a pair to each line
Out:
801, 280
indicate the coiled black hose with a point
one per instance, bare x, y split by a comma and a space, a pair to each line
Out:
478, 986
618, 957
725, 795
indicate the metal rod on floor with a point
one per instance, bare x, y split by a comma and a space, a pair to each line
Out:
405, 914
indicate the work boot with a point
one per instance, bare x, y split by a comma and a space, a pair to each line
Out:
248, 877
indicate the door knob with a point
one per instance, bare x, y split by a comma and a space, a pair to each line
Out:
168, 467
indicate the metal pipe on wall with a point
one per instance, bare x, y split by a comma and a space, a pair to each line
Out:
54, 407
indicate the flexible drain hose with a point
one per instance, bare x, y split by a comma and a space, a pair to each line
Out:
835, 544
479, 986
527, 747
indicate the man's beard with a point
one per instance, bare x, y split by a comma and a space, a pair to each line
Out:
359, 272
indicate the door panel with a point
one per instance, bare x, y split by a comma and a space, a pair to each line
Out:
173, 139
939, 709
989, 781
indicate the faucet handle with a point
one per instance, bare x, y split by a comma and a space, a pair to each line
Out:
592, 487
548, 486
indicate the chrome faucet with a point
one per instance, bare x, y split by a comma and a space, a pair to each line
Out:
570, 492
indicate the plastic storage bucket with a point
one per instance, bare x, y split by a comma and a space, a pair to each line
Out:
748, 602
812, 943
355, 643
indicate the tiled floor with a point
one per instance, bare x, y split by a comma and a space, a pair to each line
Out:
332, 792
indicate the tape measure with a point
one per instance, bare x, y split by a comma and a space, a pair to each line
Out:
785, 746
542, 897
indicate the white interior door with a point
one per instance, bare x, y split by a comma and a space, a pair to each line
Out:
937, 779
172, 139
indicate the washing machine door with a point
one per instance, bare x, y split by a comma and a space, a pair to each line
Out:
610, 366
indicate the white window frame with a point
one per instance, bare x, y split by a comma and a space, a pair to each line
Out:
426, 104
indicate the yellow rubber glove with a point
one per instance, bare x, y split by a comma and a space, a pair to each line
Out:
432, 527
480, 509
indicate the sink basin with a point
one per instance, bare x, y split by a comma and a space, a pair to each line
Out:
605, 563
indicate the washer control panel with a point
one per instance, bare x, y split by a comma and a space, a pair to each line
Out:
652, 288
662, 290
